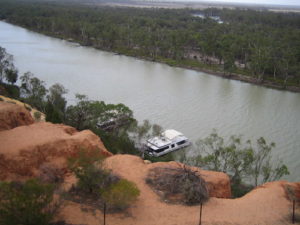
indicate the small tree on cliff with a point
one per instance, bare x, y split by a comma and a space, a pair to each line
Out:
240, 160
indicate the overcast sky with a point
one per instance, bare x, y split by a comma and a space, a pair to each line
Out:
272, 2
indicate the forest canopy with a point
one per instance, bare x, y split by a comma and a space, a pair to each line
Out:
262, 45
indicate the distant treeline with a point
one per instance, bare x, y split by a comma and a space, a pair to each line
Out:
260, 44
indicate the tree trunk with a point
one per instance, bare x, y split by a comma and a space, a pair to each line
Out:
200, 219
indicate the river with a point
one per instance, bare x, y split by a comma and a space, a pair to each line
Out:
189, 101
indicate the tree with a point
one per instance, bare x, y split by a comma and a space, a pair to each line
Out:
28, 203
239, 160
97, 114
262, 166
11, 75
78, 115
232, 158
56, 104
33, 91
55, 96
7, 69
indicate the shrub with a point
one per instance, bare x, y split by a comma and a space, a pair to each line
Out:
28, 203
98, 185
92, 177
121, 194
37, 115
50, 174
178, 185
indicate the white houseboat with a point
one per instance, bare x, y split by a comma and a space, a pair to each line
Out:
168, 141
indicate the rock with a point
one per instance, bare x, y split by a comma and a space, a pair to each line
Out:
218, 183
25, 149
13, 115
36, 115
147, 161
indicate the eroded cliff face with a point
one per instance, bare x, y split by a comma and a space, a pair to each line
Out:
29, 109
13, 115
25, 149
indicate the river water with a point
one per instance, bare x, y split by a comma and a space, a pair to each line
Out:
192, 102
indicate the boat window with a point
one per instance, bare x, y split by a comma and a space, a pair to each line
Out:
162, 149
173, 145
181, 142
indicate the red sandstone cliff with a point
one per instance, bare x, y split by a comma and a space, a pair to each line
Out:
13, 115
266, 205
24, 149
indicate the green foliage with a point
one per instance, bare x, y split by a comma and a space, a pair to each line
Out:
33, 91
55, 97
53, 115
28, 203
7, 69
96, 182
239, 189
92, 177
11, 75
241, 161
56, 104
121, 194
37, 115
117, 143
261, 43
88, 114
262, 163
11, 91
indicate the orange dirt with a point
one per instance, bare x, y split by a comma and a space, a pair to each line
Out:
24, 149
13, 115
262, 206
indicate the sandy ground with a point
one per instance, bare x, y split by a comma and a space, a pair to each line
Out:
265, 205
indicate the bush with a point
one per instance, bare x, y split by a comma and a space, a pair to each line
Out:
98, 185
92, 177
28, 203
37, 115
49, 173
178, 185
121, 194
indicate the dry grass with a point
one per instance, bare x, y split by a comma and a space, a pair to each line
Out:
178, 185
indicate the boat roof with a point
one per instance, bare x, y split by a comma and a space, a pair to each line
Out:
167, 137
171, 134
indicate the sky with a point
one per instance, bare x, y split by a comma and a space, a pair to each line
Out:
269, 2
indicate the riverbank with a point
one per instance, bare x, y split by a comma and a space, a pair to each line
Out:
235, 76
231, 76
186, 64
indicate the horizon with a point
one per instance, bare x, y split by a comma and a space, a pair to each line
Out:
255, 2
